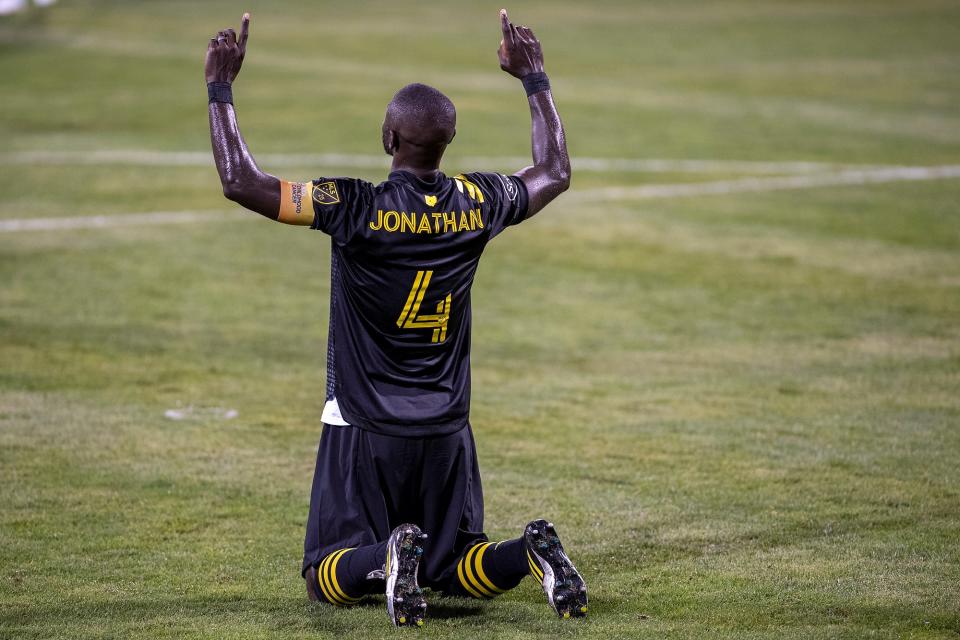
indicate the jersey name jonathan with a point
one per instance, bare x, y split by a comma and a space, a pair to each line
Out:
433, 222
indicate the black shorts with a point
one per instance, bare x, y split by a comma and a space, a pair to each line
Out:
366, 484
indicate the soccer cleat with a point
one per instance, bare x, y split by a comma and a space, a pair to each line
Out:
566, 591
405, 602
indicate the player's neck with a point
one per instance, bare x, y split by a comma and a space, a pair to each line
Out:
426, 176
420, 165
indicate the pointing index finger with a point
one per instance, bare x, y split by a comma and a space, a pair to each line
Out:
505, 25
244, 30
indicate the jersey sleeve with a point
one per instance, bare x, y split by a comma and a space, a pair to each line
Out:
506, 198
340, 206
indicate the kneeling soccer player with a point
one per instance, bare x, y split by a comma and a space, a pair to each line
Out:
396, 500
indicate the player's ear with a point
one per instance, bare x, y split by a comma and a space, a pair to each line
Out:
452, 136
390, 141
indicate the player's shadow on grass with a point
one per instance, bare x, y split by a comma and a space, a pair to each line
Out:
440, 607
527, 609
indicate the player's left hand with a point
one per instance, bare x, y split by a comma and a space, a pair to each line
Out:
520, 53
225, 53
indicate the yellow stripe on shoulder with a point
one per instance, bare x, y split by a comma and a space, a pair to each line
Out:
473, 190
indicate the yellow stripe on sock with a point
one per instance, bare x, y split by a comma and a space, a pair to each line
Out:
478, 570
468, 562
326, 579
333, 577
323, 583
463, 580
467, 578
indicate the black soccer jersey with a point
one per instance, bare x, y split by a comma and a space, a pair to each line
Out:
403, 260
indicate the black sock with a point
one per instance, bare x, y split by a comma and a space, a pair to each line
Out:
488, 569
343, 574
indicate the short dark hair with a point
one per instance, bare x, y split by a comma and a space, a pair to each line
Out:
422, 115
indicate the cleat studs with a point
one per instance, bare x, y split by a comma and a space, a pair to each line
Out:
566, 614
398, 599
534, 531
583, 609
550, 524
419, 623
402, 620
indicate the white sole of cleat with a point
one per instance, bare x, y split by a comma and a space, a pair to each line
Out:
563, 585
405, 602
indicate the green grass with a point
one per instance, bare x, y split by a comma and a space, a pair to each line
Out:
750, 401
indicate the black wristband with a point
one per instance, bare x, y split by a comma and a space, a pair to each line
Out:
219, 92
535, 82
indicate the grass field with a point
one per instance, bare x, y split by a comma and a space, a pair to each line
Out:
734, 385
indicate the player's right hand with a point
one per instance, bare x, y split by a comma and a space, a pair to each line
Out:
225, 53
519, 52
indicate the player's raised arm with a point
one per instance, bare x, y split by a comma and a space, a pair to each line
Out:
242, 180
521, 56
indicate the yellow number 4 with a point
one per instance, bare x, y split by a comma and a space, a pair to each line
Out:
410, 317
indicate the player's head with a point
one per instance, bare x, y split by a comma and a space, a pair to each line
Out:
421, 121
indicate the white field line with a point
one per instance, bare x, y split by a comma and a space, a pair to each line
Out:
776, 183
119, 220
146, 157
644, 192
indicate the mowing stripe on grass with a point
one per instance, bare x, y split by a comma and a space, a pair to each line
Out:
147, 157
119, 220
643, 192
777, 183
